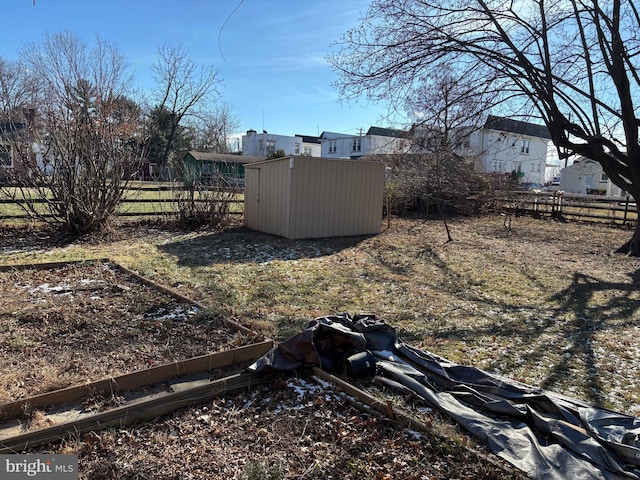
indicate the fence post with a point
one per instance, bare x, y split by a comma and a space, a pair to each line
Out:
560, 203
626, 209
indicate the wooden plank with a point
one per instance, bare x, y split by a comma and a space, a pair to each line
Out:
51, 265
137, 379
129, 414
178, 295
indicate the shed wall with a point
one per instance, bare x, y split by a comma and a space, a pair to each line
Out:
267, 194
307, 197
332, 198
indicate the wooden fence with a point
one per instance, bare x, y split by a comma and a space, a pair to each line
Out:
155, 201
616, 210
162, 202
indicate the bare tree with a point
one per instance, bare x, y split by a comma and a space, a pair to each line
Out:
184, 88
82, 144
214, 129
575, 62
17, 88
448, 105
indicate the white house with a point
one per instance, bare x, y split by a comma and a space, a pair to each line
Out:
376, 141
501, 145
506, 145
264, 144
587, 176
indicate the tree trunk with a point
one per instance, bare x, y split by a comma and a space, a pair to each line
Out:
632, 246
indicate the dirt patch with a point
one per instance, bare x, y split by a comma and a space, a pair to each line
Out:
86, 321
294, 428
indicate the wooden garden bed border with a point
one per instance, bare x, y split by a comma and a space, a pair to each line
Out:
138, 379
139, 409
134, 413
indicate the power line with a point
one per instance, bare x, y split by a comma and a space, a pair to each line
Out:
221, 28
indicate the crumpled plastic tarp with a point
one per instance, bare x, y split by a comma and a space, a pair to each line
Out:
545, 435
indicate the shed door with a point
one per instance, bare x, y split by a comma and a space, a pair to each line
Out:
252, 198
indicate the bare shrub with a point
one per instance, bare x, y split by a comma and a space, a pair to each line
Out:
75, 151
205, 202
421, 182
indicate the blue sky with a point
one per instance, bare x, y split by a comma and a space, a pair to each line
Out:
270, 53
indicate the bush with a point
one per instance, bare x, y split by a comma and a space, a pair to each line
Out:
422, 183
205, 204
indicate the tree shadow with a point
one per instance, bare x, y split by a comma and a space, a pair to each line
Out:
25, 238
241, 245
590, 317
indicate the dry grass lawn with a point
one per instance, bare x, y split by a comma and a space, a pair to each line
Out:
543, 302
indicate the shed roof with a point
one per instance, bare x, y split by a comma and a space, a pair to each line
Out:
224, 157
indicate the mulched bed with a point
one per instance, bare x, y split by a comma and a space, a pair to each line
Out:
291, 429
85, 321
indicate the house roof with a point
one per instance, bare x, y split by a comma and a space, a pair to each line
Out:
504, 124
378, 131
334, 135
583, 164
386, 132
308, 138
224, 157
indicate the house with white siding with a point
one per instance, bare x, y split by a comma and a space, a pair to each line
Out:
376, 141
506, 145
587, 176
501, 145
263, 144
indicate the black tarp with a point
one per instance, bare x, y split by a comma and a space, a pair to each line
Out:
545, 435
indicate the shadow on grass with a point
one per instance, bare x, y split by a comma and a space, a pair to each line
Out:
241, 245
590, 316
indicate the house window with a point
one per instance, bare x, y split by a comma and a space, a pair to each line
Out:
525, 146
497, 166
271, 147
296, 149
357, 144
6, 159
307, 151
604, 178
333, 147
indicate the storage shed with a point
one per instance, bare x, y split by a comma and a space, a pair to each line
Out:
314, 197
